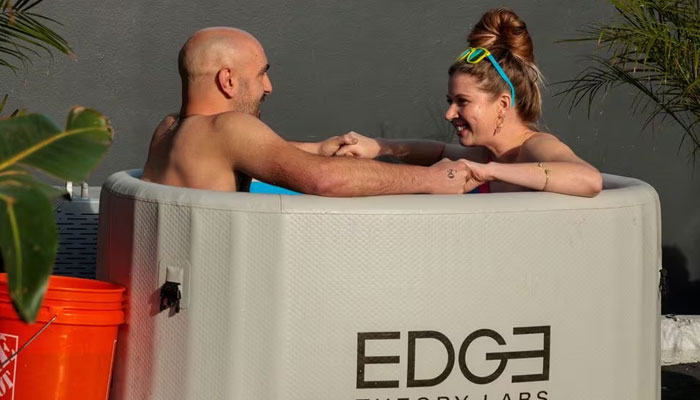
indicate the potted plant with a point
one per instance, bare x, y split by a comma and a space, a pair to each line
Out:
654, 47
33, 143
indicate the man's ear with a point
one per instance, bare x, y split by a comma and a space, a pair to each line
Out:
226, 82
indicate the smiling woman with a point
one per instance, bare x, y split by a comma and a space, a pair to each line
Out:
494, 104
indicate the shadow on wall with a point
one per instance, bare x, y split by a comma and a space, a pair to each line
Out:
679, 294
680, 382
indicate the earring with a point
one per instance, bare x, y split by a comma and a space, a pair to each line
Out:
499, 122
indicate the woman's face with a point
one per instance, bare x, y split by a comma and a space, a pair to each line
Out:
472, 111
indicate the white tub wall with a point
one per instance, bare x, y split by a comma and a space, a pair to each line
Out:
145, 360
279, 287
490, 279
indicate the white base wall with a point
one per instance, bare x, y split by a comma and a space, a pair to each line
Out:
680, 339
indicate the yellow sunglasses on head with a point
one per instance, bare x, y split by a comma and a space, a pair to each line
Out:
474, 55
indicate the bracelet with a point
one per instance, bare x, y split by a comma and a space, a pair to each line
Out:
546, 175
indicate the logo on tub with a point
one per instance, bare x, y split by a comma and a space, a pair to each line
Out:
8, 347
457, 354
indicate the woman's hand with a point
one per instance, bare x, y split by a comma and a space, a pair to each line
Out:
480, 172
363, 146
330, 146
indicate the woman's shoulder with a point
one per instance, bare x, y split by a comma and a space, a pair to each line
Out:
539, 137
541, 145
542, 139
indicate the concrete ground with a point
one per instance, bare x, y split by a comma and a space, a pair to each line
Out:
680, 382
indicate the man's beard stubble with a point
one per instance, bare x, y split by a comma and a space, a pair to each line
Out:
247, 105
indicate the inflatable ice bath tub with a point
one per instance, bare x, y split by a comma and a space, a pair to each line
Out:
518, 296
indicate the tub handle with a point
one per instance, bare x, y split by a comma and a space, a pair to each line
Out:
170, 294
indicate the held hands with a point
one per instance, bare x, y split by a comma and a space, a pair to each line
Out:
363, 146
330, 146
447, 177
452, 177
480, 173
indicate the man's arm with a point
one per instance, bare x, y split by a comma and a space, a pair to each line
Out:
327, 147
156, 159
259, 152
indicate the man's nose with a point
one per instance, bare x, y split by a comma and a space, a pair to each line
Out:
267, 85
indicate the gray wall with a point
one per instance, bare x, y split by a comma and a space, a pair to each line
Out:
378, 67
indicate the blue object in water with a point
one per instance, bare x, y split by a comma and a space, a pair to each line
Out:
262, 187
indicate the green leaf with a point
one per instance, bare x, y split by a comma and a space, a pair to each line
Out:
653, 47
34, 140
28, 239
21, 27
23, 177
28, 236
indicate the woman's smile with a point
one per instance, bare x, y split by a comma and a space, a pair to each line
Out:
460, 127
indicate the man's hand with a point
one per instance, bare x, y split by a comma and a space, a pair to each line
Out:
364, 147
330, 146
451, 177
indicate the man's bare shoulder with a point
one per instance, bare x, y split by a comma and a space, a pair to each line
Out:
164, 127
168, 120
243, 132
233, 121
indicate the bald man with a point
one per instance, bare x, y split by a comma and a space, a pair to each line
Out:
218, 142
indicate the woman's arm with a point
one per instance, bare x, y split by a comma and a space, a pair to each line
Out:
419, 152
546, 164
327, 147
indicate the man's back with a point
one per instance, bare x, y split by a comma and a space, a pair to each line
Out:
190, 153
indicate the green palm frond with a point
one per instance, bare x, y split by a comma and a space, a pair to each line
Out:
23, 33
654, 47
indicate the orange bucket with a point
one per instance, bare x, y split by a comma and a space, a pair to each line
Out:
72, 358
